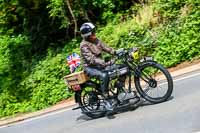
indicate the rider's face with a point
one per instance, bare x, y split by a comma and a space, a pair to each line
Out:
92, 37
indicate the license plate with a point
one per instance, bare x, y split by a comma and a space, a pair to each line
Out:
146, 58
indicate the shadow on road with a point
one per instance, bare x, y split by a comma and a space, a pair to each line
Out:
146, 103
83, 117
142, 103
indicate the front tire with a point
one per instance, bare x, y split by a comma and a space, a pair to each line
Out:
151, 76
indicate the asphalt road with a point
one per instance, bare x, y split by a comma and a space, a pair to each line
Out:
181, 114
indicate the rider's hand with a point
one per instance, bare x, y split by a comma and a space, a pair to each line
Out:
111, 62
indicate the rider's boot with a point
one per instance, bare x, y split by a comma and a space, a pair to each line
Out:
105, 91
107, 102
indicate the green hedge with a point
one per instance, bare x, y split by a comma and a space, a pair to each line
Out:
179, 39
39, 87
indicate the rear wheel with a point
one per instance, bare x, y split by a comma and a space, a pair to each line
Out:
91, 102
153, 82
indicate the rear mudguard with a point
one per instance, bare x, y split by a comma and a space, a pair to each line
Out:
77, 94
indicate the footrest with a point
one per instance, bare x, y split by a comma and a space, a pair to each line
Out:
76, 108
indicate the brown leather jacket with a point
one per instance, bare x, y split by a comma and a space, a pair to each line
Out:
91, 53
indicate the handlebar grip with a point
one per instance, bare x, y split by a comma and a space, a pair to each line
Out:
119, 51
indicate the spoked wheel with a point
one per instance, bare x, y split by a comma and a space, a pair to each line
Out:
153, 82
91, 103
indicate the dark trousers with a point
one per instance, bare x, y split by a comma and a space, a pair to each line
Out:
99, 74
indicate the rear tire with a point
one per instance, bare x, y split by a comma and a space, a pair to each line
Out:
90, 102
144, 78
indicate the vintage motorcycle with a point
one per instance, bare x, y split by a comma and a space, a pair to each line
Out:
131, 80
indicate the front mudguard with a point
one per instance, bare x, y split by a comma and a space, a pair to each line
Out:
141, 65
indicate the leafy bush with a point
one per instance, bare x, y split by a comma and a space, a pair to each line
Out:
42, 86
13, 53
171, 42
179, 40
128, 34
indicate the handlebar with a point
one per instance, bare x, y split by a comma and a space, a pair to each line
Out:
126, 53
121, 52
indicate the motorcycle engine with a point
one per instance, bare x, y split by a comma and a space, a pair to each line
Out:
125, 96
118, 72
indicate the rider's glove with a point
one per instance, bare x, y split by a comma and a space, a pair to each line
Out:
111, 62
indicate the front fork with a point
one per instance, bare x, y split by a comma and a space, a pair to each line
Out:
129, 82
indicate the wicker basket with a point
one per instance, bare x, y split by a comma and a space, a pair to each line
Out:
76, 78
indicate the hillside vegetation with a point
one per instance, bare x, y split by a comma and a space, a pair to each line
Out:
36, 36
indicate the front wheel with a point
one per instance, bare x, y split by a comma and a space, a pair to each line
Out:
153, 82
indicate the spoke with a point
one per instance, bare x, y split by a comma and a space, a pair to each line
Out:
147, 78
150, 91
153, 82
147, 89
163, 90
88, 103
156, 92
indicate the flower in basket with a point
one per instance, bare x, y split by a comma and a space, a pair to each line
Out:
76, 87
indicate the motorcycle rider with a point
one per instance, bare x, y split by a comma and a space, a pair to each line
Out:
91, 51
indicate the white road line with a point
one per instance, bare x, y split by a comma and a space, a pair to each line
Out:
187, 77
37, 117
61, 111
183, 78
48, 114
